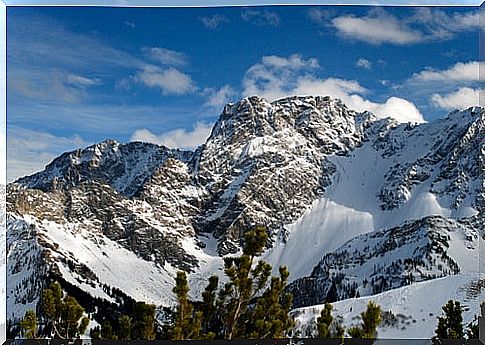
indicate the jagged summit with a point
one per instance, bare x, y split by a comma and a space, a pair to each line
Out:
123, 166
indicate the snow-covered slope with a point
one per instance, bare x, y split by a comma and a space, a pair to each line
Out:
418, 250
409, 312
392, 177
125, 217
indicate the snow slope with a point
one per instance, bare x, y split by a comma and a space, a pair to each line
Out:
351, 205
415, 308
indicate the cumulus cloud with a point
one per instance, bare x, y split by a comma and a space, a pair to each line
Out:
214, 21
461, 71
30, 151
463, 98
274, 77
165, 56
217, 98
277, 77
178, 138
261, 18
455, 87
376, 28
364, 63
169, 80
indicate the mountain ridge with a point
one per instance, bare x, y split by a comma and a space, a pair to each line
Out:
314, 172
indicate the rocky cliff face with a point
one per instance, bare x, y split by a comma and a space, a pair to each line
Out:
314, 172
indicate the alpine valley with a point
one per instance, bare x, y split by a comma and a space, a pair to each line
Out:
357, 207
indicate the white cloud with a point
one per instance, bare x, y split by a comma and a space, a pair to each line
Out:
217, 98
463, 98
320, 16
425, 24
295, 61
439, 25
165, 56
261, 18
376, 28
48, 85
278, 77
30, 151
461, 71
178, 138
169, 80
130, 24
214, 21
81, 81
364, 63
275, 75
455, 87
398, 108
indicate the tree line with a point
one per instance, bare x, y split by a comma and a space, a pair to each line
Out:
251, 304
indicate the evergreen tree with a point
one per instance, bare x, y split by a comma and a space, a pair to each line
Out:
451, 325
270, 317
244, 283
29, 325
245, 306
356, 332
64, 316
327, 325
188, 323
124, 332
72, 321
107, 331
143, 321
209, 308
325, 321
371, 319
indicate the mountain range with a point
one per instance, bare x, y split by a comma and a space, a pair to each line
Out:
357, 207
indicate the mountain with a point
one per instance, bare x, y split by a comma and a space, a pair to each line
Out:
424, 249
346, 198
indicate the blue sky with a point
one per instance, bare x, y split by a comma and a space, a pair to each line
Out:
79, 75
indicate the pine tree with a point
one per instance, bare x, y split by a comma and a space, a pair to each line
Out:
64, 316
107, 331
451, 325
245, 306
188, 323
124, 332
210, 319
244, 283
29, 325
327, 326
143, 320
371, 319
270, 317
324, 322
72, 321
51, 305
